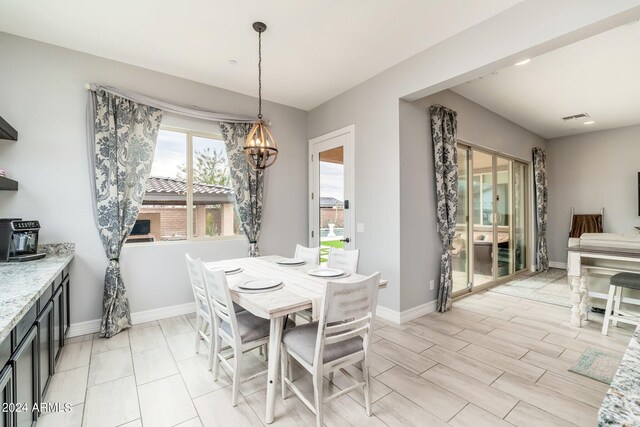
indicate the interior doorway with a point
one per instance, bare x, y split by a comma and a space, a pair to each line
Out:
491, 240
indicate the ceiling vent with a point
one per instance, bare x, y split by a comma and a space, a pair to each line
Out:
576, 116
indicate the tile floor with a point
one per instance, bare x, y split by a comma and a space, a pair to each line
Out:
494, 360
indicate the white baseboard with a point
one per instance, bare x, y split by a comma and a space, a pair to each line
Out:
388, 314
163, 313
554, 264
93, 326
84, 328
400, 317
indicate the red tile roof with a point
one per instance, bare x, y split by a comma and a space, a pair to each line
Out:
175, 186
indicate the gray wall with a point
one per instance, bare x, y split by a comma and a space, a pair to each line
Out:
42, 95
589, 172
376, 178
419, 242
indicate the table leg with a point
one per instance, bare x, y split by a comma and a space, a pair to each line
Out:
584, 294
274, 360
575, 273
576, 300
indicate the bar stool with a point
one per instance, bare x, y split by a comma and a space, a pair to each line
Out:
619, 281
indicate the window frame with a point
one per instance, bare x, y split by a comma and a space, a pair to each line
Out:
189, 199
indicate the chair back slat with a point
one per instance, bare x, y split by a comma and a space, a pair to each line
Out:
343, 326
219, 297
221, 310
348, 310
197, 281
332, 339
344, 260
310, 255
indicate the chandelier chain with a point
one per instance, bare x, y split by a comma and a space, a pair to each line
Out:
260, 75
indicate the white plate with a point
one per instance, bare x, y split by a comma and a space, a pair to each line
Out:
260, 284
291, 261
257, 291
228, 269
326, 272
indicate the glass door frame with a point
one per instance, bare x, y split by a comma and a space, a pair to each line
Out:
324, 142
471, 288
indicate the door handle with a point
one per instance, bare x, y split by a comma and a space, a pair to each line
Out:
346, 240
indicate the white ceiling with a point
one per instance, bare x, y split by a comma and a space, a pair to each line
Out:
312, 50
599, 75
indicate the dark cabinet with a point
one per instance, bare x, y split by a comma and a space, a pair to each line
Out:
45, 349
66, 321
6, 396
24, 326
25, 369
58, 319
5, 351
28, 354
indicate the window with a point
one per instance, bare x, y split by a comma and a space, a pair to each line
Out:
189, 194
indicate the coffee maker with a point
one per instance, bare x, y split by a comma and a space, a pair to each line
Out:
19, 240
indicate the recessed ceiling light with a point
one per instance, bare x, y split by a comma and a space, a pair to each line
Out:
590, 122
523, 62
233, 62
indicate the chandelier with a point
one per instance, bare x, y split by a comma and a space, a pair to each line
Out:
261, 149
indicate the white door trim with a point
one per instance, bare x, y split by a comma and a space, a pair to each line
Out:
350, 150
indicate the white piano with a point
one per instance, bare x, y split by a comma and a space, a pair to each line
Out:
592, 260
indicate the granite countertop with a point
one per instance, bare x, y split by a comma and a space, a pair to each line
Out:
621, 405
22, 283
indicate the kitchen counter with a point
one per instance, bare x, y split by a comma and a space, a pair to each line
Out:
22, 283
621, 405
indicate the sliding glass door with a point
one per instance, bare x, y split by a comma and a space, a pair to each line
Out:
460, 252
491, 239
482, 198
504, 209
520, 215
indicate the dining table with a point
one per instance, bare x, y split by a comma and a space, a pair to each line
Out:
300, 291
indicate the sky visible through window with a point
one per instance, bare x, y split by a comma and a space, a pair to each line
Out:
171, 152
332, 180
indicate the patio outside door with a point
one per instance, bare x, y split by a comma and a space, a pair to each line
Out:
490, 243
331, 204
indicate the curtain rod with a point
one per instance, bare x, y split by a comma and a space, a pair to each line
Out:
171, 107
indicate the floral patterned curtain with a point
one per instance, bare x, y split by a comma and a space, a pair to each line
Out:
248, 184
540, 177
123, 135
445, 160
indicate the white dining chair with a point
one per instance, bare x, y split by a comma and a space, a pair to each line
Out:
344, 260
203, 319
241, 330
310, 255
339, 339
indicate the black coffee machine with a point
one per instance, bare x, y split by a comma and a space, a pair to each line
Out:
19, 240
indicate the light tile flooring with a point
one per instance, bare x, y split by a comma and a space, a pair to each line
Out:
494, 360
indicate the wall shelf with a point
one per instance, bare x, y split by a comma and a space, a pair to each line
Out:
7, 131
8, 184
